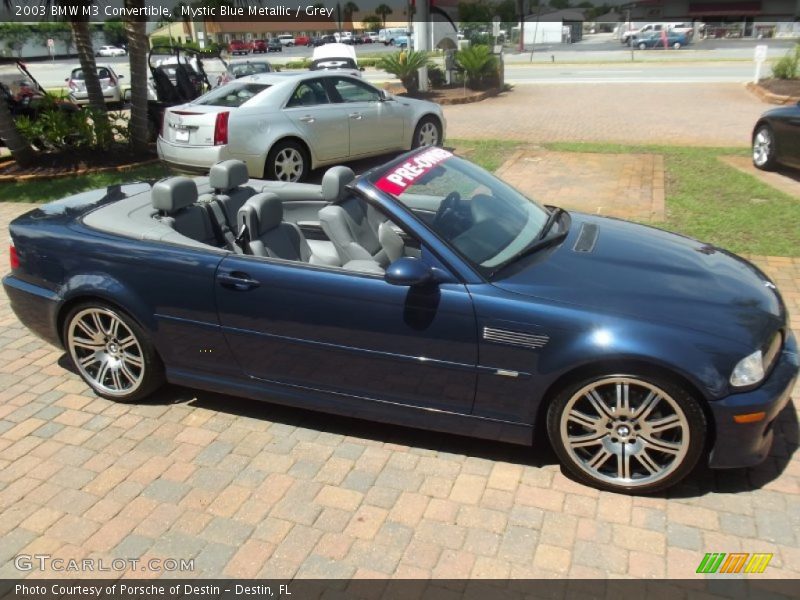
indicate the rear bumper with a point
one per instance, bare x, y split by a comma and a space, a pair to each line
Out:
748, 444
36, 307
195, 158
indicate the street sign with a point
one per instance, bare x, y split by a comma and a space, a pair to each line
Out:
496, 26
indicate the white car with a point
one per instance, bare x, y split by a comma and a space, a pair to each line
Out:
337, 57
282, 125
286, 40
110, 51
109, 83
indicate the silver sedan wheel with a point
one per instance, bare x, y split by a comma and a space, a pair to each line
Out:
428, 134
625, 431
762, 147
288, 165
106, 352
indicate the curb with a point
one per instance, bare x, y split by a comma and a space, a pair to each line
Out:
87, 171
472, 96
769, 97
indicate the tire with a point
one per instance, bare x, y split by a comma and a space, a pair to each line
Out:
610, 420
676, 45
642, 46
111, 352
427, 133
764, 148
287, 161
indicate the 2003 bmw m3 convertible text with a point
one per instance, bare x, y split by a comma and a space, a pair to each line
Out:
425, 293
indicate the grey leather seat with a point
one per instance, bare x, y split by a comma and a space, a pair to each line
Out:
269, 234
226, 178
355, 228
175, 200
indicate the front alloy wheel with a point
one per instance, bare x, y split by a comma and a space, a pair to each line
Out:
625, 433
764, 148
427, 133
111, 353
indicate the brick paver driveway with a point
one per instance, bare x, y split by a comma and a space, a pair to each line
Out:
670, 114
249, 489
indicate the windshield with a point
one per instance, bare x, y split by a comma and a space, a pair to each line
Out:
333, 63
249, 68
233, 94
487, 221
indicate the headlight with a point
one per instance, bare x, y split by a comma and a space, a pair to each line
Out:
749, 370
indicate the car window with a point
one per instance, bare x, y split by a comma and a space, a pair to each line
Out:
103, 74
350, 90
308, 93
233, 94
249, 68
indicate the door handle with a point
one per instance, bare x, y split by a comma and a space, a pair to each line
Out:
238, 281
307, 119
356, 116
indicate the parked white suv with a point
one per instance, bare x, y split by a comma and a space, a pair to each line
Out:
286, 40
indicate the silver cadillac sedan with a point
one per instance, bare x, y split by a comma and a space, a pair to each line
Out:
282, 125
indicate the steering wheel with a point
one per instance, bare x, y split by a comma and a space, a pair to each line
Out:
447, 208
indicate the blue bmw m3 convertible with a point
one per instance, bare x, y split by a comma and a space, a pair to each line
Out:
425, 293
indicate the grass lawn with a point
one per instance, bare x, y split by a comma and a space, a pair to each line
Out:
53, 189
713, 202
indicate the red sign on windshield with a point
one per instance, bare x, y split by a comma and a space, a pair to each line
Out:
402, 176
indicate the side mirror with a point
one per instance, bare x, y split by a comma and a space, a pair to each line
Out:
409, 272
385, 96
120, 76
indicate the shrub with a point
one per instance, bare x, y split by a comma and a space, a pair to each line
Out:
56, 128
788, 67
480, 66
404, 65
435, 76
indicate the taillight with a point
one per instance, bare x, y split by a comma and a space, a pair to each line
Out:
72, 85
221, 129
13, 257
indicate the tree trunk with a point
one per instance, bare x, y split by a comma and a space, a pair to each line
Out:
18, 146
137, 53
83, 43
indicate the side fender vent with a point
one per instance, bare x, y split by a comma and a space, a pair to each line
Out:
514, 338
587, 238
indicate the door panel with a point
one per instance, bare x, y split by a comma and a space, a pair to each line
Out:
322, 124
346, 333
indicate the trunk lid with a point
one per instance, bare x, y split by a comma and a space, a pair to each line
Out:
191, 124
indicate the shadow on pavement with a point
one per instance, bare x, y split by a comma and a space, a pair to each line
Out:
700, 482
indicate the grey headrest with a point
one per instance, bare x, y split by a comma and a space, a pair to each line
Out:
261, 213
228, 174
334, 182
171, 195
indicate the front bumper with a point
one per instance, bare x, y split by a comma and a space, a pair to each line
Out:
747, 444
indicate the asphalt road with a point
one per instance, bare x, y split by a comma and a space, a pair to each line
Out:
597, 59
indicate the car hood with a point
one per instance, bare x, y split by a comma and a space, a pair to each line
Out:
616, 267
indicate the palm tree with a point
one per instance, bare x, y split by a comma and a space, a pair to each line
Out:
138, 47
349, 8
83, 43
383, 11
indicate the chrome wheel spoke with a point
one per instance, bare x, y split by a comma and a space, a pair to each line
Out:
647, 405
132, 359
622, 395
647, 462
599, 404
583, 441
584, 420
599, 459
87, 344
88, 360
624, 464
662, 445
660, 425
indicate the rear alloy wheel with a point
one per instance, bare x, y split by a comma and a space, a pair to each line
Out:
627, 434
642, 46
427, 133
112, 353
764, 148
676, 45
287, 162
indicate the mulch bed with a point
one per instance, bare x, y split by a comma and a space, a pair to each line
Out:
445, 96
74, 162
782, 87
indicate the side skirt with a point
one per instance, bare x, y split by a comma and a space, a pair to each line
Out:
360, 408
